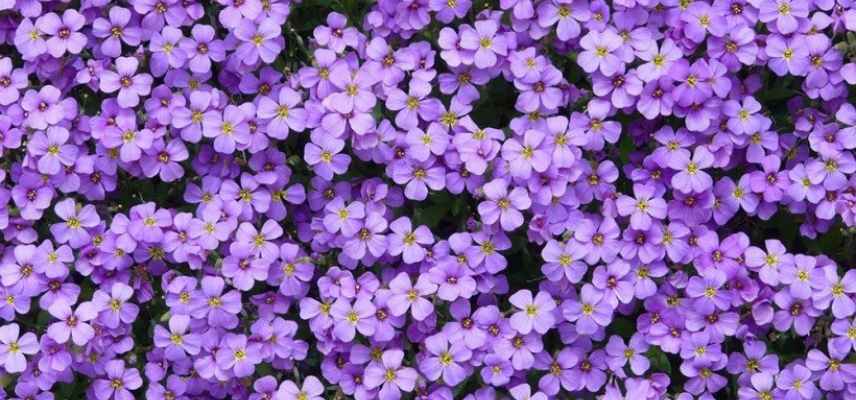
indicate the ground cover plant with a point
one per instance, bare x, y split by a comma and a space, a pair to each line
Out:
427, 199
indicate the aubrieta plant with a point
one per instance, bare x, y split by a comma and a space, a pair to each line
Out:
428, 199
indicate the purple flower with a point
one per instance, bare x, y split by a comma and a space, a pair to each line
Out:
563, 261
282, 114
115, 31
407, 296
117, 382
354, 95
343, 218
12, 80
78, 219
454, 280
444, 360
785, 13
259, 40
126, 80
63, 31
408, 242
390, 375
534, 314
163, 159
615, 282
166, 52
530, 155
336, 35
796, 383
44, 107
565, 15
350, 318
72, 323
219, 308
52, 149
413, 106
177, 341
590, 312
503, 207
485, 41
597, 54
229, 130
312, 389
643, 207
202, 48
14, 347
115, 307
691, 177
238, 355
632, 353
325, 157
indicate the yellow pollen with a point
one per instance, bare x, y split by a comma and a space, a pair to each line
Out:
259, 240
227, 128
352, 317
412, 103
531, 310
692, 168
73, 223
352, 89
215, 302
771, 260
390, 373
449, 118
692, 80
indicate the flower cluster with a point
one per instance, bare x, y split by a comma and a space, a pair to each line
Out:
432, 199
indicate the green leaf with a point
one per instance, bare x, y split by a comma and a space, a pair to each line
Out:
659, 360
